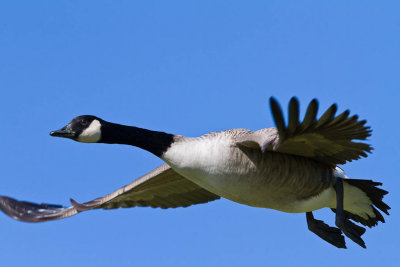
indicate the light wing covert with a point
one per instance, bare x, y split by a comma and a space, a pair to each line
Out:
162, 187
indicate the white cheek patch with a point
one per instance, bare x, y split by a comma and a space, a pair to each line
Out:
91, 134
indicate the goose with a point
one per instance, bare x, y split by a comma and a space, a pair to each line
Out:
291, 168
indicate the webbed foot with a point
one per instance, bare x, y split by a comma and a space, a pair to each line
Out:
332, 235
351, 230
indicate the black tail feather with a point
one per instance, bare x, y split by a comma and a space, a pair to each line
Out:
376, 195
373, 192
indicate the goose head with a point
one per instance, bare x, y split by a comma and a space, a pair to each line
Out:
84, 129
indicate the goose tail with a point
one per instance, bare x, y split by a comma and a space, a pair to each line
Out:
363, 201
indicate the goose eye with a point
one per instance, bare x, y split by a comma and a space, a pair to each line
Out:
84, 122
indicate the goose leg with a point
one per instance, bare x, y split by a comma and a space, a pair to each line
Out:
331, 235
351, 230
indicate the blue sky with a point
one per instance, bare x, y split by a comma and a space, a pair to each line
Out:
185, 67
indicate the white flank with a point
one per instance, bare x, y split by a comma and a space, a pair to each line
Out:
91, 134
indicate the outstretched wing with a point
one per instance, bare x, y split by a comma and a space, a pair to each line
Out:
160, 188
328, 139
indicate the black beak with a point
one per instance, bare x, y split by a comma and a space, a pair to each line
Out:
63, 132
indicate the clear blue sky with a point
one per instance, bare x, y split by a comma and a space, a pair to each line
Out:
185, 67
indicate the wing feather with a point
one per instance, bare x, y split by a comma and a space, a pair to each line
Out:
328, 139
160, 188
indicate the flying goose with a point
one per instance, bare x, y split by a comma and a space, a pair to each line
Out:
290, 168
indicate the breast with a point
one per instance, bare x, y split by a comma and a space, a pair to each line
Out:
245, 175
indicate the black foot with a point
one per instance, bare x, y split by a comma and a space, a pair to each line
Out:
352, 231
332, 235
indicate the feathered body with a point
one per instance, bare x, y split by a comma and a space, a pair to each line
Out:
291, 167
277, 181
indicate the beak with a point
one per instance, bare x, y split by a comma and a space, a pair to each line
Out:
63, 132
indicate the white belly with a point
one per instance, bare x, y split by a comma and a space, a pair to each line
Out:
216, 166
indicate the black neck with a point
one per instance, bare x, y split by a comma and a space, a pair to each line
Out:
152, 141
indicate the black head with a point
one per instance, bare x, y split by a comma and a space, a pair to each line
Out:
85, 129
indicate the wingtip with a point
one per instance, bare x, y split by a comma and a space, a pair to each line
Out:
314, 102
334, 106
26, 211
4, 202
277, 115
272, 100
294, 111
294, 99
